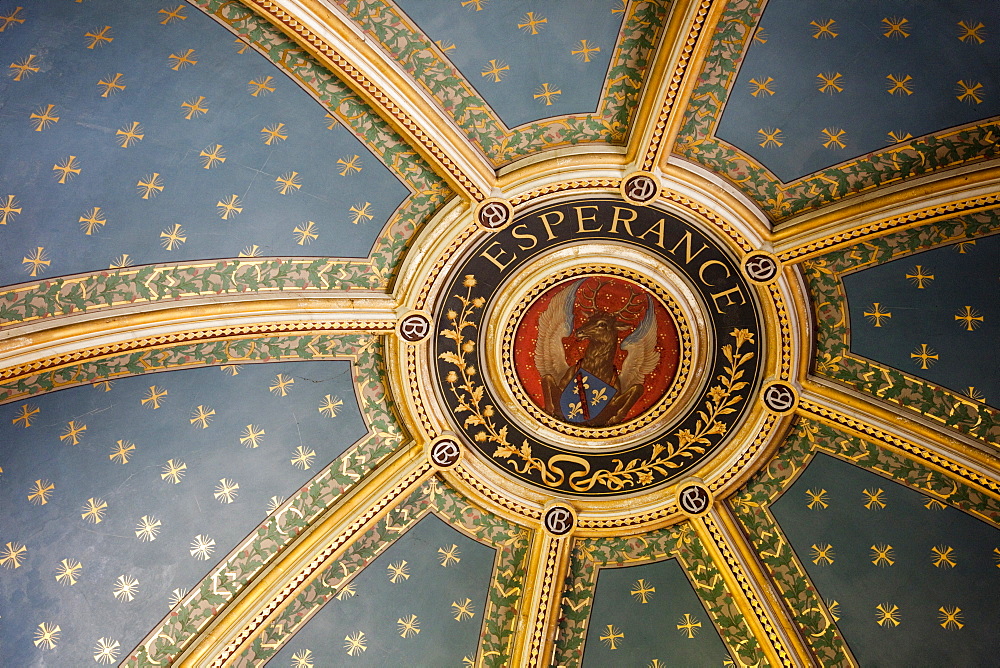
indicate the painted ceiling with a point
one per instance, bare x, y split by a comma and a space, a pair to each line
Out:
218, 220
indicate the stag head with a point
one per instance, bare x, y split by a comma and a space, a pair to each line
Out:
603, 325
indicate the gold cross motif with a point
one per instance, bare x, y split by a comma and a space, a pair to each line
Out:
24, 67
876, 315
967, 32
831, 83
92, 220
11, 18
899, 83
130, 134
547, 92
43, 118
69, 168
531, 23
761, 86
833, 137
99, 38
642, 591
771, 138
172, 14
824, 30
968, 91
194, 108
970, 317
9, 210
611, 636
259, 86
689, 625
918, 277
925, 355
895, 27
496, 70
583, 53
112, 85
182, 59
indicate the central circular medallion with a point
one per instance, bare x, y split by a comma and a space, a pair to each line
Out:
597, 348
595, 351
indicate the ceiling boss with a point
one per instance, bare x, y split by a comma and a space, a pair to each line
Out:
596, 347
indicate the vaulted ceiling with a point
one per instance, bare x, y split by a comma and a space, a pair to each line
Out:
215, 427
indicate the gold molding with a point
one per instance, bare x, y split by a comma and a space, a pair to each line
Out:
549, 562
658, 140
252, 330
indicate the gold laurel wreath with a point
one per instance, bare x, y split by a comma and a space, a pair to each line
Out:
722, 399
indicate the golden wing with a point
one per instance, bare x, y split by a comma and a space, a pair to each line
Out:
643, 357
555, 324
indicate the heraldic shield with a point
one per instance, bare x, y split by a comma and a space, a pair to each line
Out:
585, 396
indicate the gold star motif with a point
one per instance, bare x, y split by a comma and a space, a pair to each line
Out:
153, 397
612, 634
252, 436
173, 237
226, 491
822, 554
202, 547
642, 591
147, 528
761, 86
355, 643
824, 30
970, 317
182, 60
111, 85
121, 451
895, 27
398, 571
449, 555
496, 69
11, 19
13, 554
546, 92
260, 86
273, 133
408, 626
689, 625
44, 117
876, 315
281, 385
150, 185
173, 471
463, 610
212, 155
47, 635
529, 23
92, 221
834, 138
586, 48
918, 277
93, 510
306, 233
125, 588
943, 556
287, 182
360, 213
106, 650
349, 165
303, 457
9, 209
887, 614
951, 618
40, 492
26, 414
331, 406
69, 168
971, 33
36, 261
882, 555
194, 108
969, 91
925, 355
72, 432
831, 83
899, 84
876, 499
99, 37
130, 134
175, 14
229, 206
770, 137
817, 499
68, 572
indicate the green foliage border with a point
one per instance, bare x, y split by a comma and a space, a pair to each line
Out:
65, 295
696, 139
751, 507
500, 617
420, 57
833, 347
679, 542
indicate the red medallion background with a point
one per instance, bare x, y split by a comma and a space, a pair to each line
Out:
612, 296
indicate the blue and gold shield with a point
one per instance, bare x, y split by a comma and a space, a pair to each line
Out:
585, 396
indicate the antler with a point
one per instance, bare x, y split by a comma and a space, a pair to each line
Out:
626, 311
592, 298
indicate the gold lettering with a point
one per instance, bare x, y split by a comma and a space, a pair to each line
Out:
701, 271
532, 237
496, 259
658, 225
686, 240
548, 225
624, 221
581, 220
729, 299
